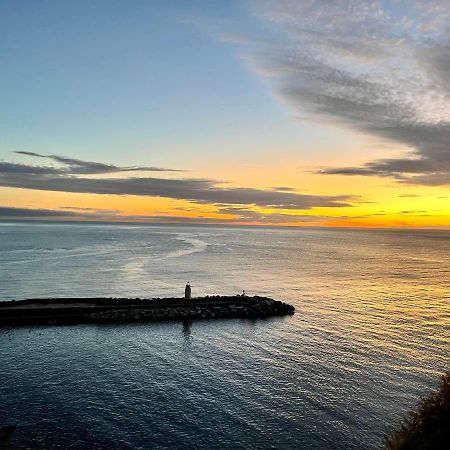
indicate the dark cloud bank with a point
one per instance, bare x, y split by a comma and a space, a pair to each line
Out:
10, 212
241, 215
78, 176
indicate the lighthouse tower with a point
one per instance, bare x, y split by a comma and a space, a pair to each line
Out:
187, 291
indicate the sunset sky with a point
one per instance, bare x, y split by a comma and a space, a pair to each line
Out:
295, 112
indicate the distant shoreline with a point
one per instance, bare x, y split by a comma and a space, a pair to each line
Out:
59, 311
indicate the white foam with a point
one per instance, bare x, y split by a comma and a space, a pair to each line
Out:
197, 246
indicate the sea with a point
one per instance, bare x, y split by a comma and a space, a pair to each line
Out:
369, 337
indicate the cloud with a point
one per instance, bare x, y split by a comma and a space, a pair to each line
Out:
77, 166
65, 212
283, 188
240, 215
381, 68
69, 178
10, 212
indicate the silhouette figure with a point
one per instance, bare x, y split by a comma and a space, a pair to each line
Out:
187, 291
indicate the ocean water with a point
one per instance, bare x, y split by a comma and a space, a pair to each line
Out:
370, 335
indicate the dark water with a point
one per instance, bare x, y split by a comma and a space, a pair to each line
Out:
370, 335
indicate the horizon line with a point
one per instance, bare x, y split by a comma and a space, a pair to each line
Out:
224, 224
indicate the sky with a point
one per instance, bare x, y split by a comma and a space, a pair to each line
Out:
269, 112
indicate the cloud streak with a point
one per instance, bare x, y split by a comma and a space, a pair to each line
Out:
77, 166
240, 215
11, 212
69, 178
381, 68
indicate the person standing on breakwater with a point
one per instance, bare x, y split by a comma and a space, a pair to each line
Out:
187, 291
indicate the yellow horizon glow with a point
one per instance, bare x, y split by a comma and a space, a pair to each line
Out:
375, 201
381, 203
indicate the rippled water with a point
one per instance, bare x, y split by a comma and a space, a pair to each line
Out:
371, 333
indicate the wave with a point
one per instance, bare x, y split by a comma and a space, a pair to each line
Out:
197, 246
135, 267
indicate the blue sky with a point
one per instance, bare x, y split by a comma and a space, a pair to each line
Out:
134, 77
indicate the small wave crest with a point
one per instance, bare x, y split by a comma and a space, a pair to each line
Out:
135, 268
197, 246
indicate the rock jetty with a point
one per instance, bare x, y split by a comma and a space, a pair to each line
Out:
103, 310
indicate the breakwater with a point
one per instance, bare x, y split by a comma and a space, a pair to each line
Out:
102, 310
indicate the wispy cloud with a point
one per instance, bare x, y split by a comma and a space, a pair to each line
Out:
10, 212
382, 68
240, 215
77, 166
69, 178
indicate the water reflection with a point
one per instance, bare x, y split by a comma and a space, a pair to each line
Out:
187, 335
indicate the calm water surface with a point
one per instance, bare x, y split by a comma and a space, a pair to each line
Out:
371, 334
